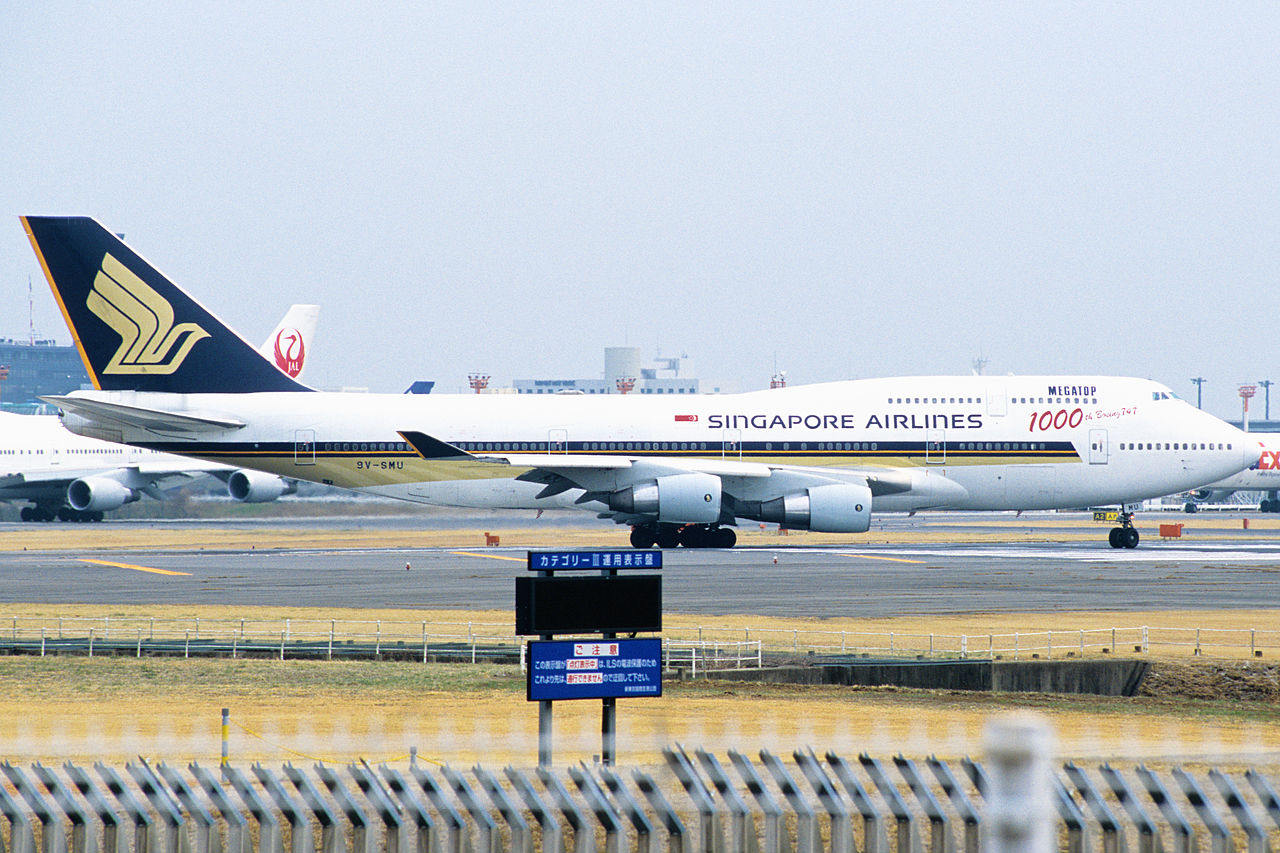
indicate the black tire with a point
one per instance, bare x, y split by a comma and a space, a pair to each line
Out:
725, 537
1190, 508
1130, 538
27, 514
95, 515
1113, 538
667, 536
642, 536
694, 536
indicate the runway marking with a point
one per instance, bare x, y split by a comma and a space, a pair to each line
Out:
874, 557
490, 556
135, 568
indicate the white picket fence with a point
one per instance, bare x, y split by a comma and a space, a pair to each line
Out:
733, 645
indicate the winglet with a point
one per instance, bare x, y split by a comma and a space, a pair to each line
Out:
433, 448
135, 329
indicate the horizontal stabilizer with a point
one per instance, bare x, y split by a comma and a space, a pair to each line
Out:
152, 420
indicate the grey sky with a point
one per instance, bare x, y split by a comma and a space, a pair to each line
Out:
859, 189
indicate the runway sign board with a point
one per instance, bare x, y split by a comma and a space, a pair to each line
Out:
593, 604
543, 561
594, 669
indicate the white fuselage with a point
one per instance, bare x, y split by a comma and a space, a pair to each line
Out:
977, 443
1262, 476
39, 457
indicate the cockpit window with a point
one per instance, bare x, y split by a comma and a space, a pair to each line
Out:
1164, 395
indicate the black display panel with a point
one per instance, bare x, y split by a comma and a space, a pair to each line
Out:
577, 605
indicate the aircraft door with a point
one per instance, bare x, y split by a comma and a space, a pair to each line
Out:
732, 444
558, 441
997, 401
1098, 453
304, 447
935, 447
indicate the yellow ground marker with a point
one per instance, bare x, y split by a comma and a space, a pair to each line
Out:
877, 557
490, 556
135, 568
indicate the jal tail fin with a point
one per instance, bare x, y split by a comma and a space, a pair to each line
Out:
289, 345
135, 329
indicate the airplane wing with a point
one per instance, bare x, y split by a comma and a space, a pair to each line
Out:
599, 476
152, 420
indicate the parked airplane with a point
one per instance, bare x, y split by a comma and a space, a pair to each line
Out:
681, 470
1261, 476
77, 478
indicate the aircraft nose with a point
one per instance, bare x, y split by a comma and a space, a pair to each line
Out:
1252, 451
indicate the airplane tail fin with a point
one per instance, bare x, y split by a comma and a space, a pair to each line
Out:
136, 330
289, 344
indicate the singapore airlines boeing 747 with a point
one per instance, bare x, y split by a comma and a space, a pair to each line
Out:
170, 376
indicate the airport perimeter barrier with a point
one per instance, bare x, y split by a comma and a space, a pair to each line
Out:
472, 641
696, 802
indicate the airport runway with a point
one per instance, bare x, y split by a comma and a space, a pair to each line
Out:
871, 580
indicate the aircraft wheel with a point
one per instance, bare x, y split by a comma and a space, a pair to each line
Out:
96, 515
1113, 538
694, 536
1267, 506
1189, 507
1129, 538
725, 537
667, 536
642, 536
26, 514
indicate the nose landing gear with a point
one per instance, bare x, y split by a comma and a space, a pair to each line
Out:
1126, 535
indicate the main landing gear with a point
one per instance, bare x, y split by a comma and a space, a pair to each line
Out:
1126, 535
687, 535
48, 512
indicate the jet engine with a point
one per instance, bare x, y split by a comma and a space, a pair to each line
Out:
678, 498
837, 508
99, 494
253, 487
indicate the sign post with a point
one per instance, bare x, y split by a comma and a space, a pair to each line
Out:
608, 603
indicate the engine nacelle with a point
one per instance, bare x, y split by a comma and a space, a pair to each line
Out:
255, 487
678, 498
99, 493
837, 508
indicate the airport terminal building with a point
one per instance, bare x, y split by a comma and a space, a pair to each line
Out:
38, 367
624, 373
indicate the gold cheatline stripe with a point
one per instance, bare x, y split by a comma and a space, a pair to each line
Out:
57, 295
135, 568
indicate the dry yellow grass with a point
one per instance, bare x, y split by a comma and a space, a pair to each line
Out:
287, 711
351, 534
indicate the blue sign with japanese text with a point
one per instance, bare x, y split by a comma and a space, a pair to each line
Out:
583, 560
594, 669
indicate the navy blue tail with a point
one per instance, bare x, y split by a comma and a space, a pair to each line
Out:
136, 330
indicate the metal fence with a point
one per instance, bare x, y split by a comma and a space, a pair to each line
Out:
472, 640
696, 801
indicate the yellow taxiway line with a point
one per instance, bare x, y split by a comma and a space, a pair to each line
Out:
135, 568
490, 556
877, 557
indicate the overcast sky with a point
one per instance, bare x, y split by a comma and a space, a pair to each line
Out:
843, 190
